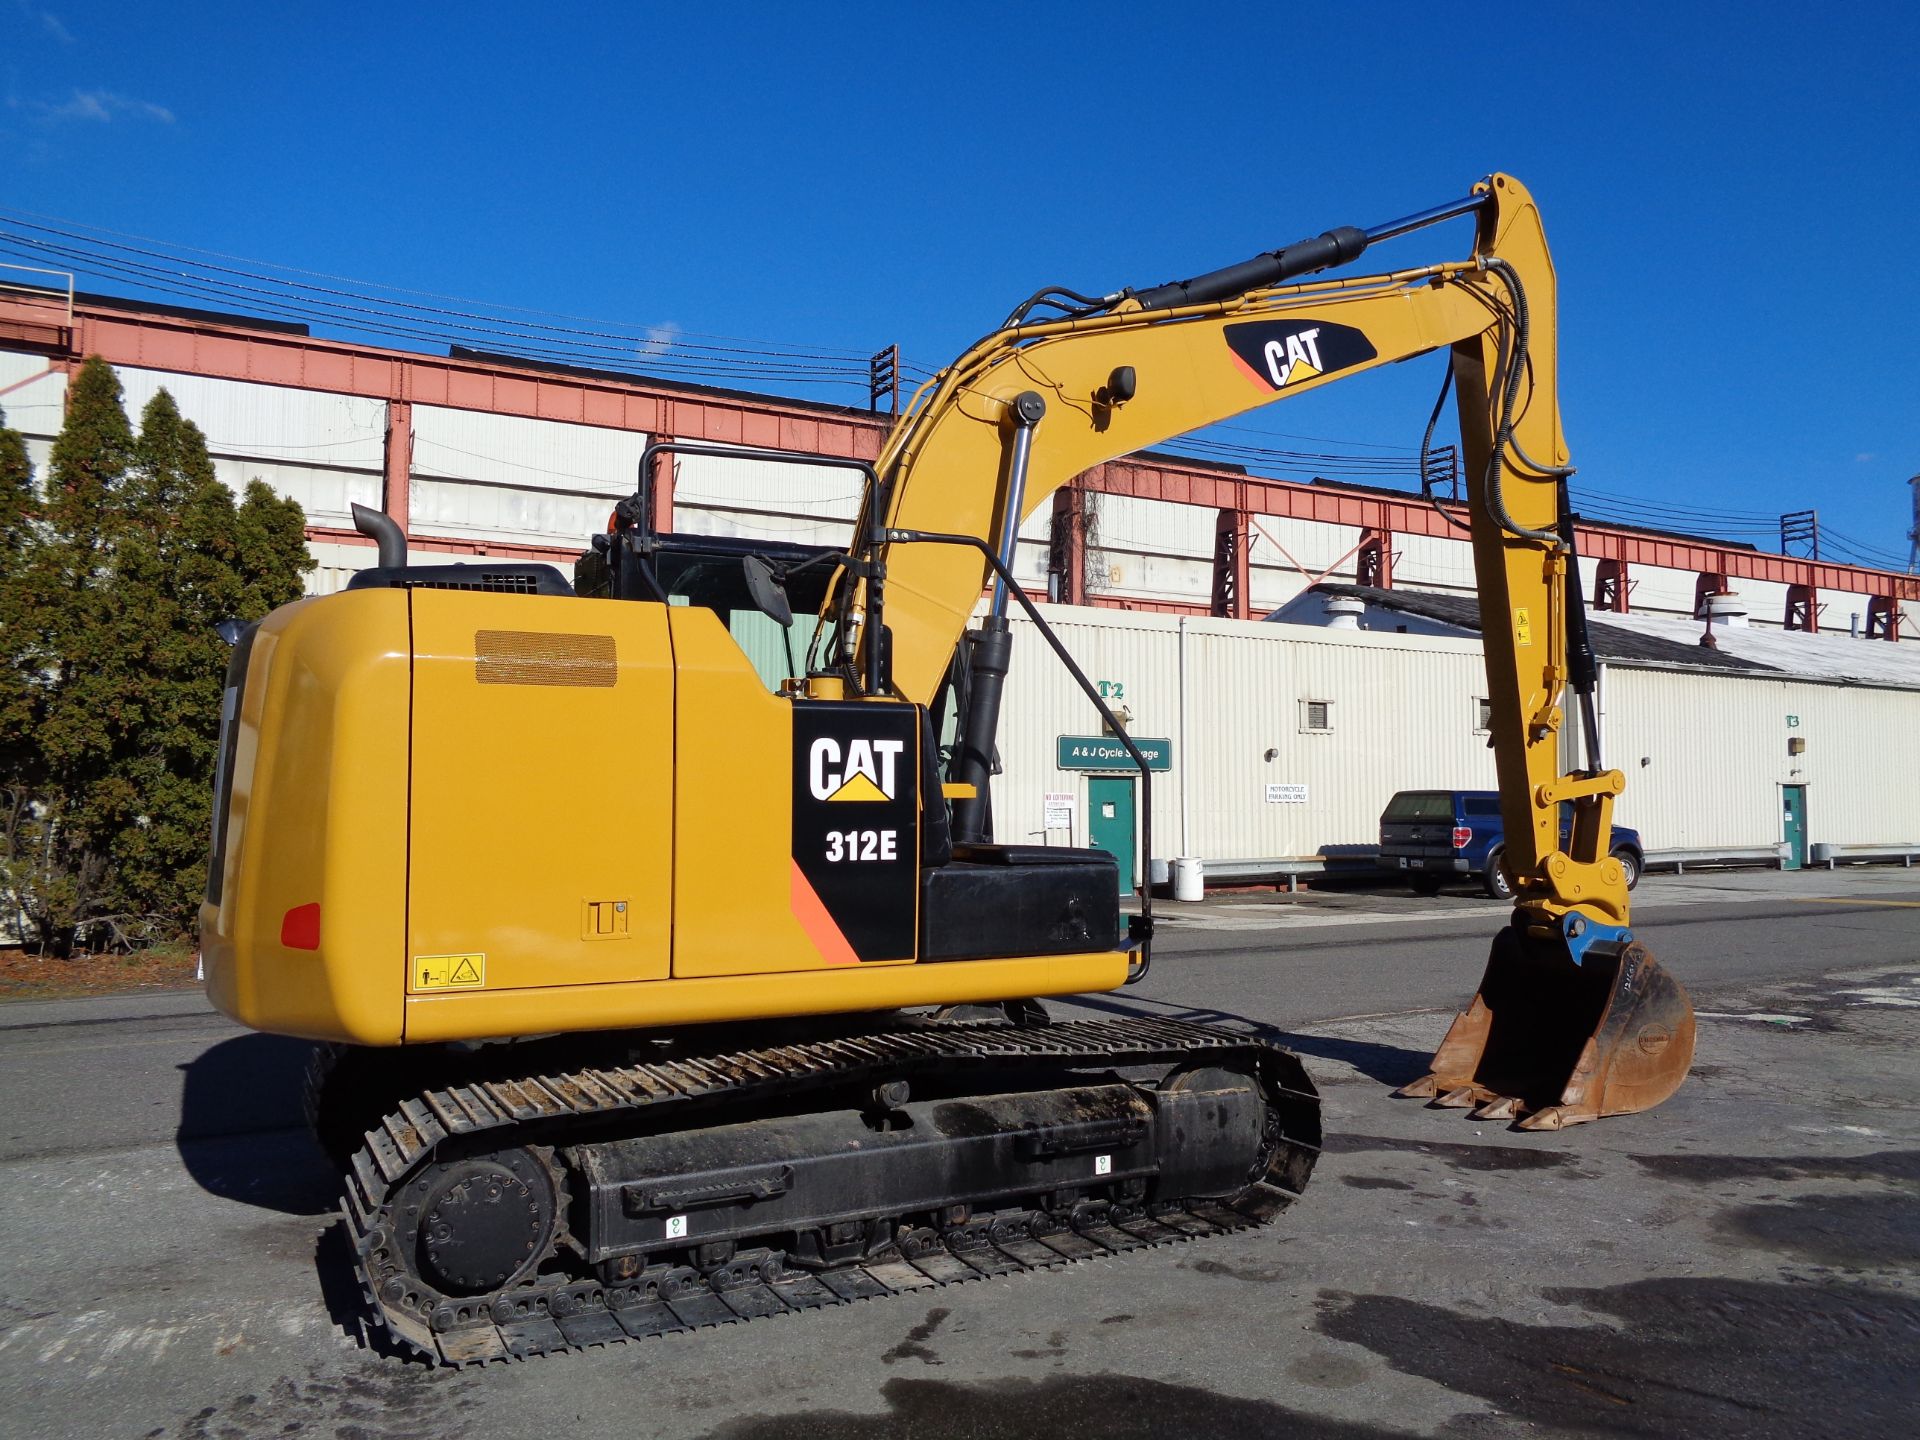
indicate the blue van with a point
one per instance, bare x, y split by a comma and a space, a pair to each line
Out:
1432, 835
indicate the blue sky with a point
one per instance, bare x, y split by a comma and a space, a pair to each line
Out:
1731, 191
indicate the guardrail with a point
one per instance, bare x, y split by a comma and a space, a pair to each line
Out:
1360, 860
1335, 860
1775, 856
1832, 855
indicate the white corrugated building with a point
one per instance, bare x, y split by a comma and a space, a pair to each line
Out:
1285, 742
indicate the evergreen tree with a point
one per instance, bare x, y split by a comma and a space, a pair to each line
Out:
58, 865
271, 555
172, 584
192, 560
19, 517
19, 514
137, 554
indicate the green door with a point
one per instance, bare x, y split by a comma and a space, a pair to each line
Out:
1110, 822
1793, 824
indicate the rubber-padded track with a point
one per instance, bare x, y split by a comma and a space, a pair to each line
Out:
532, 1319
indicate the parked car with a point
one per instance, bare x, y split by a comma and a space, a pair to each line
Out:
1431, 835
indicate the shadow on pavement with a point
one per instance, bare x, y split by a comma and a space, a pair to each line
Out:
1393, 1065
242, 1134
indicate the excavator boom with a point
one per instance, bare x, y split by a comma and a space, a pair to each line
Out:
1026, 409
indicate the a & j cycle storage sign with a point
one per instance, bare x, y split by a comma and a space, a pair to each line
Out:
1103, 752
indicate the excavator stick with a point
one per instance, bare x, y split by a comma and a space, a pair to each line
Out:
1564, 1029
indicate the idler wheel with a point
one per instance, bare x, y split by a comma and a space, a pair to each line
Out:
484, 1222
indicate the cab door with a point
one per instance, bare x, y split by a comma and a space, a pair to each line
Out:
796, 822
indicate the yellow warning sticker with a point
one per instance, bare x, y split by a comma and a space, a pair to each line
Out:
1522, 626
447, 972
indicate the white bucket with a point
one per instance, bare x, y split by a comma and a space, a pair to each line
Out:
1189, 878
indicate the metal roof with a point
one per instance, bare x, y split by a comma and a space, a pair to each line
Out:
1829, 655
1679, 648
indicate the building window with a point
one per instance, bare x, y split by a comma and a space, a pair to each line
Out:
1316, 716
1482, 715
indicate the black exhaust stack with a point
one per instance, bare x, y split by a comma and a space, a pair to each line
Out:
379, 527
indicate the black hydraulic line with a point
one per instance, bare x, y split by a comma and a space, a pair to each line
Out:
1505, 415
1142, 930
1303, 257
992, 649
989, 654
1426, 449
1582, 671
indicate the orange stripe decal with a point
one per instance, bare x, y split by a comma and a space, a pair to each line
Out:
1265, 382
821, 927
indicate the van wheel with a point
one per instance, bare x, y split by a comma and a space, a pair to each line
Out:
1424, 884
1630, 863
1499, 884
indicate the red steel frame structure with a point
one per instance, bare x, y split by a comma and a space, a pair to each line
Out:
227, 348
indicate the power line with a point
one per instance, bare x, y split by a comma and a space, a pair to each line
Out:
174, 252
656, 351
366, 307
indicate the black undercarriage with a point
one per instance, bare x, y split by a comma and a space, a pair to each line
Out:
494, 1217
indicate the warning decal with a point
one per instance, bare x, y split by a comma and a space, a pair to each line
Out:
447, 972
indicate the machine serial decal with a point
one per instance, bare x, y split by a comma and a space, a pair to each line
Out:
868, 769
1278, 353
856, 834
862, 845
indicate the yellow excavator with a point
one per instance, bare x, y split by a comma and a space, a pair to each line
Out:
667, 968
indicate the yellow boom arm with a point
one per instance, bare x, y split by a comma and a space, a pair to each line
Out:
1574, 1018
946, 468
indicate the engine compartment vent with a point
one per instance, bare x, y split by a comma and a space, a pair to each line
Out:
498, 579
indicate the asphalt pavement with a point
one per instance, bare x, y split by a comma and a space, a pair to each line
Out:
1744, 1260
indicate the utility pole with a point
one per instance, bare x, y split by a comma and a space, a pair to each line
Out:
1800, 528
1913, 535
883, 380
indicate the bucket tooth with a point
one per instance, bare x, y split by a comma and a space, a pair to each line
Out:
1554, 1117
1464, 1098
1424, 1088
1503, 1107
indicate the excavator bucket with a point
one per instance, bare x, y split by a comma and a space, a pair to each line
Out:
1559, 1034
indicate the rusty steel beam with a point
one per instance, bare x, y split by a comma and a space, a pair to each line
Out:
270, 357
125, 335
396, 480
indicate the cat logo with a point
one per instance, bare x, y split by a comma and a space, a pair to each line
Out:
1295, 358
1281, 354
867, 770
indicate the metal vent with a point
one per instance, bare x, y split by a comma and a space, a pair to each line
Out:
494, 582
532, 657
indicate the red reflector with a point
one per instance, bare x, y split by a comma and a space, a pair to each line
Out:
300, 930
1461, 835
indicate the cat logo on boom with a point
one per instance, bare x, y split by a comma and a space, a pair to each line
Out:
865, 771
1276, 354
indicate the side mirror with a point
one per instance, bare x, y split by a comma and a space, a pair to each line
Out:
769, 595
231, 631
